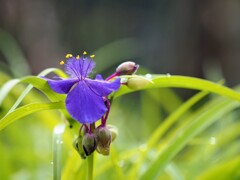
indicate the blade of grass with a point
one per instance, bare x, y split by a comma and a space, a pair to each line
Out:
169, 121
43, 86
160, 81
29, 87
72, 164
57, 151
164, 127
8, 86
13, 54
184, 135
226, 170
26, 110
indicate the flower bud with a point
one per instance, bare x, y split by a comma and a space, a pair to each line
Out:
127, 68
77, 144
137, 82
103, 138
113, 130
88, 143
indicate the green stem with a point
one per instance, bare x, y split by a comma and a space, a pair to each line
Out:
90, 163
90, 159
57, 151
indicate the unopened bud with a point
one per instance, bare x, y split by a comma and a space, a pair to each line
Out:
77, 144
113, 130
103, 138
127, 68
88, 143
137, 82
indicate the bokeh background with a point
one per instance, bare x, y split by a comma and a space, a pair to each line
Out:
199, 38
166, 36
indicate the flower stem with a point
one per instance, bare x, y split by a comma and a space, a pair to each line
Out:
112, 76
104, 119
90, 163
90, 159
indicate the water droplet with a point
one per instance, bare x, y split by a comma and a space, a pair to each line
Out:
59, 129
168, 75
212, 140
148, 76
51, 162
121, 163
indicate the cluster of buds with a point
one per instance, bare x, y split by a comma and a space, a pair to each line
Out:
100, 138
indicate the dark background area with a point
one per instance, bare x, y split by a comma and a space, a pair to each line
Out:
178, 37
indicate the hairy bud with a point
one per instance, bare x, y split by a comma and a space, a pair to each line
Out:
77, 144
127, 68
88, 143
103, 138
114, 131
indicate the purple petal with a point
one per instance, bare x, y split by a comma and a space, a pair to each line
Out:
79, 68
61, 86
87, 65
101, 87
84, 105
99, 77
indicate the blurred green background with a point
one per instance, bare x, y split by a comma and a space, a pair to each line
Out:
198, 38
170, 36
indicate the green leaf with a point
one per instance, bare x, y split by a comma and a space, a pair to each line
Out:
226, 170
201, 121
161, 81
165, 126
43, 86
12, 52
26, 110
8, 86
57, 150
173, 117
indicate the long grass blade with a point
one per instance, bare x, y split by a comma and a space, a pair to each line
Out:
26, 110
161, 81
57, 151
186, 134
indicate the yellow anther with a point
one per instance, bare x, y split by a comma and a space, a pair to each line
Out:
84, 52
78, 57
92, 56
61, 62
68, 55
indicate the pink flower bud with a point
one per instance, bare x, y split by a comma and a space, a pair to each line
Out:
127, 68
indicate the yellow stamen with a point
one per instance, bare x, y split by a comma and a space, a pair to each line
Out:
92, 56
61, 62
68, 55
78, 57
84, 52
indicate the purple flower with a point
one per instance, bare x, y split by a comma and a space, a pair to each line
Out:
85, 97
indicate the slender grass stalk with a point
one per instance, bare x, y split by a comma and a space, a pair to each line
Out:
57, 151
90, 159
90, 163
